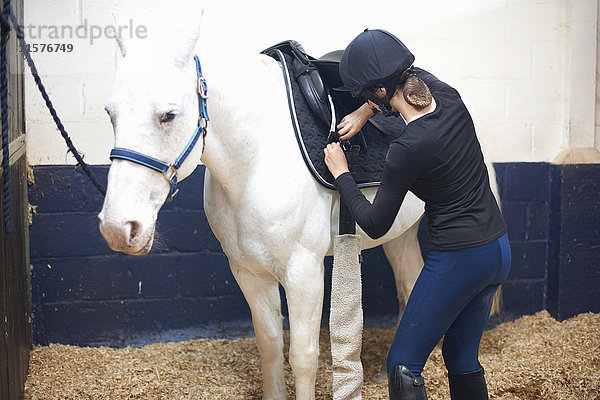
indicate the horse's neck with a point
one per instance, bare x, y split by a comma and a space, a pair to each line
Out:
247, 121
228, 154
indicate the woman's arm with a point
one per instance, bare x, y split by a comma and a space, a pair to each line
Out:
352, 123
400, 171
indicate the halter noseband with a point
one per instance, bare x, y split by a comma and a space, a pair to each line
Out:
170, 170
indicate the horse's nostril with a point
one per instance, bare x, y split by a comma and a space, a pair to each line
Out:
135, 228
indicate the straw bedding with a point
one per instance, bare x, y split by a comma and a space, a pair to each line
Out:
534, 357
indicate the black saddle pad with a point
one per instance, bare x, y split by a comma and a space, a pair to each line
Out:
312, 133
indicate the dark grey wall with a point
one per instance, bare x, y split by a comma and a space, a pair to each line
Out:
83, 293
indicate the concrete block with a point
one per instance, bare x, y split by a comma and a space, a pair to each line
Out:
46, 146
523, 297
579, 277
157, 276
119, 276
380, 273
65, 23
574, 270
188, 230
380, 302
148, 23
546, 60
480, 58
485, 99
66, 235
527, 182
484, 20
76, 57
580, 187
535, 20
546, 140
95, 89
534, 100
233, 306
63, 10
160, 314
515, 216
205, 275
66, 189
537, 220
66, 94
502, 135
77, 323
529, 261
499, 59
90, 278
93, 140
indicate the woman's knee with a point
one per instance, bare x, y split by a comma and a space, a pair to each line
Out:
458, 359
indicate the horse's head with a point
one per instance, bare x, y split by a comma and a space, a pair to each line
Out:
154, 110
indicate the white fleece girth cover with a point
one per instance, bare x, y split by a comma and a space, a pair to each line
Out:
346, 318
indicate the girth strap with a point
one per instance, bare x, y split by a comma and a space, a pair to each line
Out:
347, 224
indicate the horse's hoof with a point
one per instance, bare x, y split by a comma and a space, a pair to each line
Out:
380, 377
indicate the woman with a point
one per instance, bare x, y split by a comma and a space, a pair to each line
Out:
438, 158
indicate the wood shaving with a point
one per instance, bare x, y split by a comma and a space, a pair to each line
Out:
535, 357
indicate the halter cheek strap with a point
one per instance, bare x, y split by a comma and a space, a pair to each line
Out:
170, 170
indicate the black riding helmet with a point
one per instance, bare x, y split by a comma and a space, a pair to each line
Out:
375, 58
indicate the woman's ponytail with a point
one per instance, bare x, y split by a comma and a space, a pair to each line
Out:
415, 91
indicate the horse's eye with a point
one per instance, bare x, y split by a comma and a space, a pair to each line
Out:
168, 117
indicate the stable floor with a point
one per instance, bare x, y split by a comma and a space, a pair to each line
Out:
535, 357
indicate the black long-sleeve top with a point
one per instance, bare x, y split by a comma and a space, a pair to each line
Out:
439, 159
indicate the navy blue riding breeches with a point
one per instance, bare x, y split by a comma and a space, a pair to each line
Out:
452, 298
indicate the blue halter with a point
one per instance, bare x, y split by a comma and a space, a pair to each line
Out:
170, 170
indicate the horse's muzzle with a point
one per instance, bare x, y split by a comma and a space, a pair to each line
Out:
126, 236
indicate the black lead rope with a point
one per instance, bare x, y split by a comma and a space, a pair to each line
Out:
8, 17
4, 106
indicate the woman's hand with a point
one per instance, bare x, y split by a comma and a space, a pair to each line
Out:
352, 123
335, 159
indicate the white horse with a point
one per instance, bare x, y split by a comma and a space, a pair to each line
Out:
273, 220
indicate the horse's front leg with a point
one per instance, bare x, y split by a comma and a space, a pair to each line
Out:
303, 285
262, 294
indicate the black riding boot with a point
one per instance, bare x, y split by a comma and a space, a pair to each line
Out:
469, 386
403, 385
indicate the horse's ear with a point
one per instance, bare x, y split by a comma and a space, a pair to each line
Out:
188, 47
120, 20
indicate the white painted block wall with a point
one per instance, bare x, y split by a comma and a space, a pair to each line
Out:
516, 62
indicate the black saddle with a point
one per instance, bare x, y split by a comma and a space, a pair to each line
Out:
316, 109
